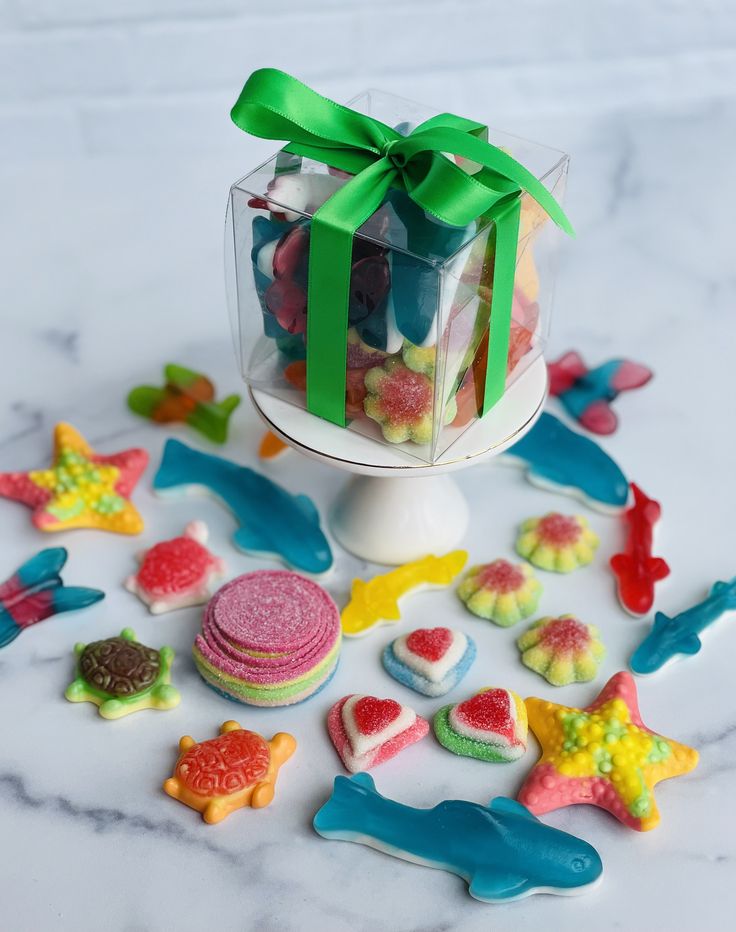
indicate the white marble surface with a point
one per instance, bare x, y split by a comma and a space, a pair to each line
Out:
113, 266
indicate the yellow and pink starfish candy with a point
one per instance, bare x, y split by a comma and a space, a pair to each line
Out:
602, 755
81, 488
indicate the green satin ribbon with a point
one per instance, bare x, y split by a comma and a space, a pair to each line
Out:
274, 105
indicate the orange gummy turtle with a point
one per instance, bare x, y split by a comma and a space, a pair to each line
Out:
237, 769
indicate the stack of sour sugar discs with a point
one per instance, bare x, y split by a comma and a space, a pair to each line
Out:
269, 638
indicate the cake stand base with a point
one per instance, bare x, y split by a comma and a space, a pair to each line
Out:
395, 520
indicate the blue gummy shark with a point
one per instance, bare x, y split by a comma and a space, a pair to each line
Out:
561, 459
673, 637
502, 850
36, 591
273, 521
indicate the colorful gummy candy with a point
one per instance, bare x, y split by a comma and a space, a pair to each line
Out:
81, 489
269, 638
636, 570
355, 391
501, 592
187, 397
361, 355
602, 755
431, 661
401, 401
679, 636
563, 650
36, 591
501, 850
376, 602
236, 769
490, 726
565, 461
177, 573
120, 675
558, 543
419, 358
272, 520
271, 446
586, 394
367, 731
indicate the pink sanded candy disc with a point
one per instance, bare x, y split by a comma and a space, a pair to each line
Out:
271, 611
325, 628
260, 671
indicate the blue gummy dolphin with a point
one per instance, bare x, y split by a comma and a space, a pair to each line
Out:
502, 850
273, 521
673, 637
36, 591
568, 462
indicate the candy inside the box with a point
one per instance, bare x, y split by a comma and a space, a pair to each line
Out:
419, 306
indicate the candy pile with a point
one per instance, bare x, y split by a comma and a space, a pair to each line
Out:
269, 638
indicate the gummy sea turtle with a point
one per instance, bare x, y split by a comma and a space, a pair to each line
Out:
236, 769
177, 573
122, 676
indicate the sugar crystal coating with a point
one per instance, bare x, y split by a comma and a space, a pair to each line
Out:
602, 755
501, 591
558, 543
563, 650
490, 726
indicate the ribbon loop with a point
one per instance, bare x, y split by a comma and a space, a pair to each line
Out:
274, 105
393, 152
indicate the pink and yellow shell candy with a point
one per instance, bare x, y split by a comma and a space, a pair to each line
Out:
563, 650
558, 543
401, 402
419, 358
501, 592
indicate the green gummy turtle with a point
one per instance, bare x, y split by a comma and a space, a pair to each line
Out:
121, 676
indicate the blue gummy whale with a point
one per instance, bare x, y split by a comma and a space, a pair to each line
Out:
36, 591
560, 458
502, 851
273, 521
672, 637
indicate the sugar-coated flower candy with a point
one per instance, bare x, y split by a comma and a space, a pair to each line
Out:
559, 543
401, 401
563, 650
501, 592
419, 358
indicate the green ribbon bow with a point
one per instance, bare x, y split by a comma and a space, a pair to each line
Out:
274, 105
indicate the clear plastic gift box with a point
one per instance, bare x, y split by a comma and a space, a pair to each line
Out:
420, 291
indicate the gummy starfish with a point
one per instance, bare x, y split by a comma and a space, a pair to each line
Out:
81, 488
602, 755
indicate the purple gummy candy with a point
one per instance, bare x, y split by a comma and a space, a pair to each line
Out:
369, 283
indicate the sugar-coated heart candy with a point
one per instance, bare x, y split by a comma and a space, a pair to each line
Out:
490, 726
431, 661
367, 731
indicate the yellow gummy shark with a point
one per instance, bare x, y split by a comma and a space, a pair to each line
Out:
376, 602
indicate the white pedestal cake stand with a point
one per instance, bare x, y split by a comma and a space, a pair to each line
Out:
397, 508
